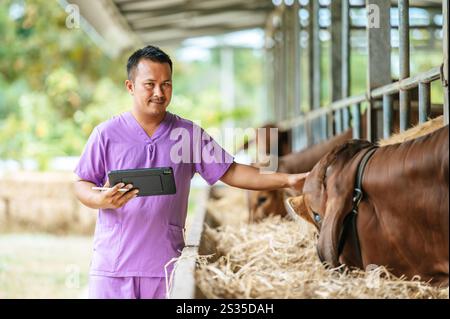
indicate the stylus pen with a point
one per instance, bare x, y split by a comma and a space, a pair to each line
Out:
107, 188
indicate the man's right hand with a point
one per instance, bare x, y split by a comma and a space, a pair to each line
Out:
112, 198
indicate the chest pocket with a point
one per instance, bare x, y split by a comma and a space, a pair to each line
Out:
126, 156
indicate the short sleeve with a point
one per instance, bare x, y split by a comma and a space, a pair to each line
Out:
210, 159
91, 166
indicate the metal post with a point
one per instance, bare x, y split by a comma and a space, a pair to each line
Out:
317, 73
339, 55
338, 121
297, 132
288, 62
324, 126
310, 56
313, 67
309, 133
356, 115
336, 50
445, 64
314, 55
330, 125
345, 119
297, 58
277, 77
424, 101
270, 81
283, 56
379, 51
346, 49
387, 115
403, 29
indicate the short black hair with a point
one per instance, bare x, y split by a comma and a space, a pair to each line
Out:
150, 52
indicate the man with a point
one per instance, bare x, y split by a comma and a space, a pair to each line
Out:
136, 237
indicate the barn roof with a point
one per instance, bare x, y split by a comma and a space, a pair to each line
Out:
130, 23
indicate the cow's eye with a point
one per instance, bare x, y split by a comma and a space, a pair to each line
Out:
262, 200
317, 217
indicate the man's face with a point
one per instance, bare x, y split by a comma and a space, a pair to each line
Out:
152, 87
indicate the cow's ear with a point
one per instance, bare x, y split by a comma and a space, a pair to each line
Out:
336, 209
289, 192
296, 207
297, 181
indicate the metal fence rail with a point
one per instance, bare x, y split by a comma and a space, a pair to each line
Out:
345, 111
353, 103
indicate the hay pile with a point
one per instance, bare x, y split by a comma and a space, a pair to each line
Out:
414, 132
43, 202
277, 258
229, 205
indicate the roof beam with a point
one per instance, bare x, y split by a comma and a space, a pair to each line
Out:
171, 35
149, 5
199, 6
204, 21
109, 23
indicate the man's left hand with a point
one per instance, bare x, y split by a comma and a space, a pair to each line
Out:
296, 181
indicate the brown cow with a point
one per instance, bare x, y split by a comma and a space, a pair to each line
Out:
283, 140
403, 217
265, 203
414, 132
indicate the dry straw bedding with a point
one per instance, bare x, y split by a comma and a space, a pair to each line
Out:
277, 258
43, 202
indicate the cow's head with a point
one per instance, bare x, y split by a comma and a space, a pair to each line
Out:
327, 196
265, 203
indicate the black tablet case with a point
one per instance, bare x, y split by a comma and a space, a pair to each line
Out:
149, 181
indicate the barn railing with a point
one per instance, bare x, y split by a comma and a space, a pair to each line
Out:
353, 104
321, 122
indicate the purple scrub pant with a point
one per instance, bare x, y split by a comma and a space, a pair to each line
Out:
103, 287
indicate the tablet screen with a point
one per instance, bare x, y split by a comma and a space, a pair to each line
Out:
150, 183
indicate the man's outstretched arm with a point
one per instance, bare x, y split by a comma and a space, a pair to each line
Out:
249, 177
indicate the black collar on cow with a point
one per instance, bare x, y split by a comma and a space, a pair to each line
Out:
350, 220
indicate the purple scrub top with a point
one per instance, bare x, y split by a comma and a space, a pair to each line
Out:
139, 238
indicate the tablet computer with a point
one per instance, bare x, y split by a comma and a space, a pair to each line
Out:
149, 181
